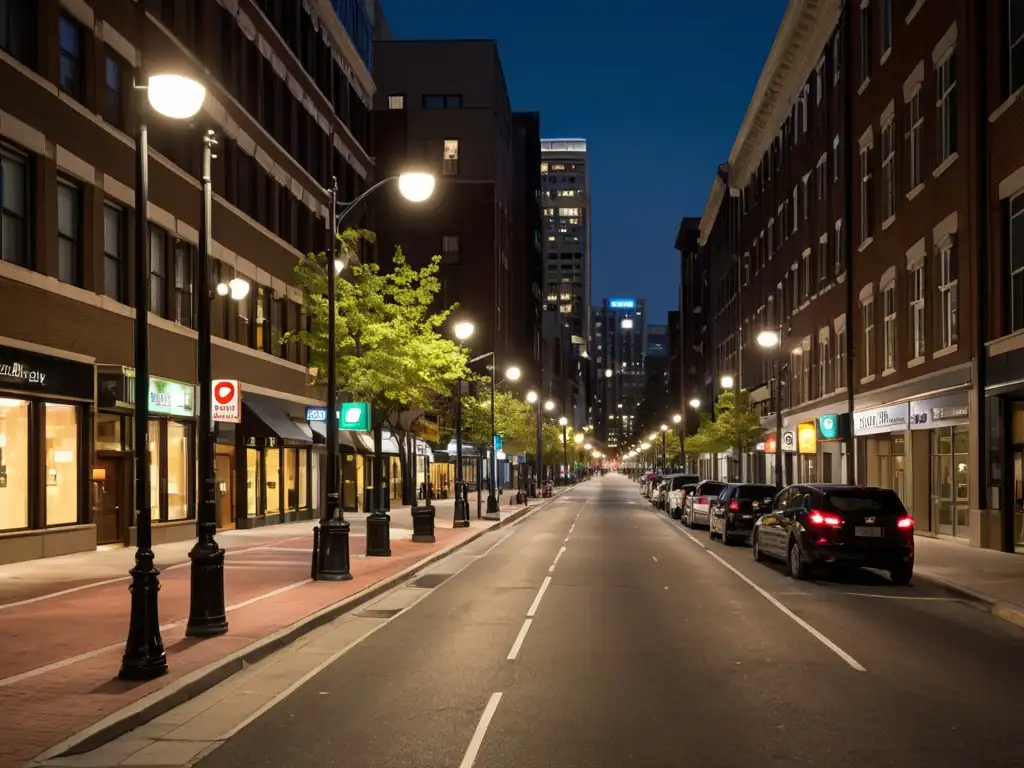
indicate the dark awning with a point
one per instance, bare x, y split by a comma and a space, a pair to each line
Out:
346, 438
268, 417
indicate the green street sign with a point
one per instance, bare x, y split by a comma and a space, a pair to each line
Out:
497, 442
355, 417
828, 426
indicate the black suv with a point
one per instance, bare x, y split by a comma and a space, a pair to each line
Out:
837, 525
737, 507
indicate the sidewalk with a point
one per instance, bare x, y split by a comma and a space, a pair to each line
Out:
64, 620
994, 580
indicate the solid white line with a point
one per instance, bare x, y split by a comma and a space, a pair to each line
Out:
571, 527
481, 729
540, 594
518, 644
654, 558
902, 597
771, 599
552, 568
274, 593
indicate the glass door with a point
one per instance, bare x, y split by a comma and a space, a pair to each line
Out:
1018, 498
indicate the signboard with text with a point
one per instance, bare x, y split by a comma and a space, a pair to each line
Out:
355, 417
622, 303
876, 421
227, 401
807, 438
171, 398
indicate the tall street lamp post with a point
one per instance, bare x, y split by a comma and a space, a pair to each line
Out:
578, 438
178, 97
463, 331
772, 339
664, 448
331, 555
564, 424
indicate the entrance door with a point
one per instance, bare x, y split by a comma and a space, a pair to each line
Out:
1018, 498
225, 489
110, 507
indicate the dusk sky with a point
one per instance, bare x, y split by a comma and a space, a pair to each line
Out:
657, 88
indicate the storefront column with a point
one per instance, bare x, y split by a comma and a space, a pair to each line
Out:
986, 524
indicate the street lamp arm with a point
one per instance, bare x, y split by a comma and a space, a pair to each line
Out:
478, 358
349, 207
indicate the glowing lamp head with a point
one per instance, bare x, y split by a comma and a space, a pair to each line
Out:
513, 373
768, 339
464, 330
549, 405
695, 403
728, 382
664, 427
175, 96
531, 397
577, 439
416, 187
562, 422
676, 418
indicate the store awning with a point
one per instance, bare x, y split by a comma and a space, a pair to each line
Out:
346, 439
268, 417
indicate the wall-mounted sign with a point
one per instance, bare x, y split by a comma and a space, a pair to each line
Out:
770, 443
807, 437
828, 426
788, 440
622, 303
497, 442
316, 414
171, 398
41, 374
876, 421
939, 411
355, 417
227, 401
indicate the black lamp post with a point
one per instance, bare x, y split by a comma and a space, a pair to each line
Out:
769, 339
178, 97
206, 616
460, 518
564, 424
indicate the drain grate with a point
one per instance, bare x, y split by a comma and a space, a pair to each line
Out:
379, 613
431, 580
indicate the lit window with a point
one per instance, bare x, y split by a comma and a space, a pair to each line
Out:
396, 101
889, 319
917, 293
867, 310
450, 165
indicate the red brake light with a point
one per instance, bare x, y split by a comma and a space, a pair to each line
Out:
702, 500
825, 518
734, 505
905, 523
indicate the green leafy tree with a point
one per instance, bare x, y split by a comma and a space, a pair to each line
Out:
512, 419
389, 351
735, 423
673, 448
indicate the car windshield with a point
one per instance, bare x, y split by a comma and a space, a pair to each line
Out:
756, 491
677, 483
879, 501
711, 489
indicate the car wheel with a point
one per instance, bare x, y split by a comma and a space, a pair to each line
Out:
675, 513
725, 533
795, 565
901, 574
758, 556
711, 531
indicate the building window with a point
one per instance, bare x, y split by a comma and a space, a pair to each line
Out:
948, 284
805, 284
889, 169
70, 57
819, 81
841, 358
865, 42
796, 208
69, 232
867, 310
14, 426
866, 207
450, 249
915, 129
113, 92
886, 26
183, 256
396, 101
824, 360
806, 197
837, 250
62, 446
835, 160
15, 33
945, 83
819, 177
797, 367
1015, 247
917, 292
113, 251
450, 166
1015, 54
157, 271
14, 207
823, 260
889, 327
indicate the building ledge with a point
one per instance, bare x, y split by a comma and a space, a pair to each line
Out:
888, 372
915, 9
915, 191
885, 56
944, 166
888, 222
916, 362
863, 86
943, 352
1005, 106
865, 244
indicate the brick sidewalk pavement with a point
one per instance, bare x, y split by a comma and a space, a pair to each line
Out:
61, 652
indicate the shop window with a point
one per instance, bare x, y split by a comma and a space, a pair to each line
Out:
253, 482
71, 57
14, 464
179, 460
949, 480
303, 479
108, 428
155, 454
1014, 211
69, 232
61, 464
273, 483
291, 480
14, 205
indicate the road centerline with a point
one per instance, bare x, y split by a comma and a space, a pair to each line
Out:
481, 730
520, 639
540, 594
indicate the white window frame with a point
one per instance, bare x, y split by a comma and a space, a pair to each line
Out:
865, 42
823, 259
866, 177
824, 361
820, 172
835, 159
1015, 254
889, 328
886, 27
840, 358
867, 313
945, 105
889, 168
805, 266
796, 208
948, 293
806, 201
915, 132
918, 290
838, 267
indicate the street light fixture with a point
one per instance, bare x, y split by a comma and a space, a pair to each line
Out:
563, 421
608, 373
531, 397
578, 438
768, 339
513, 373
664, 427
463, 331
695, 403
178, 97
676, 418
549, 405
728, 382
416, 187
587, 446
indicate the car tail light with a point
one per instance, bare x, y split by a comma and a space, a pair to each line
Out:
905, 523
825, 518
734, 505
702, 500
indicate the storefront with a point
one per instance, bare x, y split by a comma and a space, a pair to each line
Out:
45, 460
172, 468
274, 454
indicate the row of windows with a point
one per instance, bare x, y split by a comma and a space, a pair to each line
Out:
817, 368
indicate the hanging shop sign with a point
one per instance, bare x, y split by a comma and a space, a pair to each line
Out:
807, 437
227, 401
788, 440
770, 443
876, 421
36, 373
828, 426
355, 417
166, 396
939, 411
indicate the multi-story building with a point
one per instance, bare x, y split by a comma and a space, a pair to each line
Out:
443, 106
891, 156
565, 178
288, 97
694, 353
657, 401
619, 346
527, 248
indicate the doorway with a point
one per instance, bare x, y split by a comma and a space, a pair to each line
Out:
111, 509
224, 472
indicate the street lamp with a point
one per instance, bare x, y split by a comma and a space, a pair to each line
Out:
676, 418
534, 399
608, 373
463, 331
549, 405
771, 339
179, 97
564, 424
513, 373
695, 403
727, 382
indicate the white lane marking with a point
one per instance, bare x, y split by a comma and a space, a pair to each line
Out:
654, 558
571, 527
565, 540
540, 594
518, 644
552, 568
771, 599
481, 730
903, 597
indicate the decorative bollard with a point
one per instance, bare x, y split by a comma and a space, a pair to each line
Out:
423, 524
315, 564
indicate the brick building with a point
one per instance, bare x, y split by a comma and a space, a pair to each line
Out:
288, 95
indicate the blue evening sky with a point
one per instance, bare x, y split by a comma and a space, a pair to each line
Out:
657, 87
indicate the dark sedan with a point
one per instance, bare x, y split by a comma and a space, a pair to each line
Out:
811, 526
736, 509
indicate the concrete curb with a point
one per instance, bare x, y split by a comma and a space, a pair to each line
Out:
199, 681
1001, 609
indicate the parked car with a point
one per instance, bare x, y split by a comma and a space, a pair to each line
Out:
647, 485
679, 487
695, 507
736, 508
812, 526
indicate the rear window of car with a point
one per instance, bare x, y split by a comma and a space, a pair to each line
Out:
756, 491
878, 502
678, 482
689, 488
711, 489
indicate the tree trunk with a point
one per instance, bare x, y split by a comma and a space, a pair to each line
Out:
379, 495
407, 458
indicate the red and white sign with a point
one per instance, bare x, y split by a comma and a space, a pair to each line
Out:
227, 401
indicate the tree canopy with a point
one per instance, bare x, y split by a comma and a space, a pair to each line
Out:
734, 425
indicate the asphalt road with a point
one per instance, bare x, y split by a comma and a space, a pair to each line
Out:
652, 646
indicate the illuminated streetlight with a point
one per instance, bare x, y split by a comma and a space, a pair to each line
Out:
676, 418
653, 436
549, 405
578, 438
695, 403
587, 447
608, 373
175, 96
531, 397
664, 427
645, 446
513, 373
727, 382
768, 339
416, 187
563, 421
464, 330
